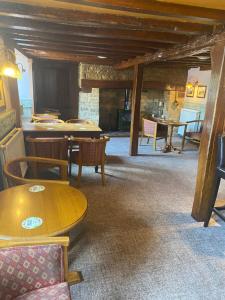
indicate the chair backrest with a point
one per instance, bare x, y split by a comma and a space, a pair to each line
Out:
32, 264
149, 127
91, 151
221, 151
48, 147
15, 175
80, 121
49, 121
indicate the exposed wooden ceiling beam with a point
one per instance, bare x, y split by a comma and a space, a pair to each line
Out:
193, 47
58, 55
18, 23
89, 52
154, 7
11, 33
81, 18
78, 45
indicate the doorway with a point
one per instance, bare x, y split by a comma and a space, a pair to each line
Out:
56, 87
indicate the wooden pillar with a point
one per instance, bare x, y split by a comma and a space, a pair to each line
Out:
135, 111
213, 126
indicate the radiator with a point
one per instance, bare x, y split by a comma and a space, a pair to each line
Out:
189, 115
11, 147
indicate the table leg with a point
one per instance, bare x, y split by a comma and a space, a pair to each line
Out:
96, 169
183, 140
169, 146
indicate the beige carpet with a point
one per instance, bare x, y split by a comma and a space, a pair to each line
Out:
139, 240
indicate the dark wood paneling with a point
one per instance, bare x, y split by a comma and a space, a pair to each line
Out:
56, 86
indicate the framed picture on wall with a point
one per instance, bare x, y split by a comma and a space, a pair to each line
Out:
2, 95
190, 91
201, 92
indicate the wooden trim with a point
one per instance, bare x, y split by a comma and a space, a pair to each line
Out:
212, 127
135, 112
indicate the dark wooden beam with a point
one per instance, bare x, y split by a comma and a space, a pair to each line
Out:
213, 126
160, 8
119, 48
77, 46
127, 84
193, 47
12, 33
135, 111
62, 56
79, 51
85, 18
139, 35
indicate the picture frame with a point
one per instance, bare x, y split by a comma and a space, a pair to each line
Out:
201, 92
190, 91
2, 95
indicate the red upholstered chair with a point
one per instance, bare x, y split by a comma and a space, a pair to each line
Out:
35, 269
151, 129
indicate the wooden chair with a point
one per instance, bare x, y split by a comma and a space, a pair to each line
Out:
43, 266
80, 121
194, 132
26, 170
151, 129
219, 174
49, 147
91, 153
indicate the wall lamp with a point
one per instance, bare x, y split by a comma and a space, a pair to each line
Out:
9, 67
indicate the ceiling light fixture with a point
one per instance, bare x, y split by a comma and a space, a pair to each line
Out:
102, 57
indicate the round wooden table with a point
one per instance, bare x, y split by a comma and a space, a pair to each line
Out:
57, 208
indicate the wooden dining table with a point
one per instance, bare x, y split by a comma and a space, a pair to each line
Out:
171, 124
34, 210
60, 129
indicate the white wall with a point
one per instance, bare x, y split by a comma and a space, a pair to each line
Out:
203, 78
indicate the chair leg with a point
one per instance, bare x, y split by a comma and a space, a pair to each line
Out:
213, 200
79, 174
103, 174
141, 139
154, 144
148, 140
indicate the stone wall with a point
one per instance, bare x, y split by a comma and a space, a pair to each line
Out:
89, 106
167, 103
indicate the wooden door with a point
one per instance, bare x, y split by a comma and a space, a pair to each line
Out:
56, 87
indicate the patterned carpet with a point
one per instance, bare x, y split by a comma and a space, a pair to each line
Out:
138, 240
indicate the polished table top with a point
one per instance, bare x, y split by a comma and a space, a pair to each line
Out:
60, 127
54, 210
170, 122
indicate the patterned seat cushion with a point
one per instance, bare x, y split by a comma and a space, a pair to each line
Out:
24, 269
55, 292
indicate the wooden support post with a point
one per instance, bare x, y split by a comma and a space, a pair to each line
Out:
135, 111
213, 126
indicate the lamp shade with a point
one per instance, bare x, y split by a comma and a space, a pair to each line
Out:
10, 69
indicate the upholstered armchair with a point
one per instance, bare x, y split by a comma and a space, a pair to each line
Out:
35, 269
151, 129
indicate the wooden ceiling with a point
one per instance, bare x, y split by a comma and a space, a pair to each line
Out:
120, 30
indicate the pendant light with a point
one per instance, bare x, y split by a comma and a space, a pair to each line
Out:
8, 67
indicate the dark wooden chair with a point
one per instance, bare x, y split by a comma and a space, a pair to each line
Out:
91, 153
219, 174
151, 129
49, 147
26, 170
194, 133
